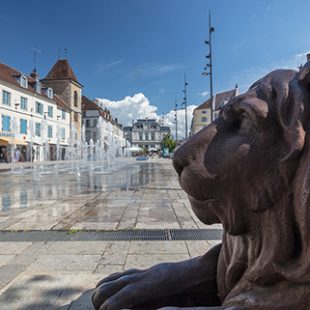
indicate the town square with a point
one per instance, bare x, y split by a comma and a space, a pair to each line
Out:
154, 155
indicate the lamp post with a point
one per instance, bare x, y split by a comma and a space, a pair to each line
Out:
185, 105
176, 120
209, 65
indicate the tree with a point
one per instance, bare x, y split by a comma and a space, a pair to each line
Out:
168, 142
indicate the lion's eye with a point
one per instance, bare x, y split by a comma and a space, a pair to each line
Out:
246, 124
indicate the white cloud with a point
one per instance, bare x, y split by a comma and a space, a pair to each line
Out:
138, 106
147, 70
103, 66
169, 120
204, 94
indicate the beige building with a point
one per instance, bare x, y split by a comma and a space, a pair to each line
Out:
202, 114
63, 81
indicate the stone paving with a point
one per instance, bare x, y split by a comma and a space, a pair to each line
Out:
60, 274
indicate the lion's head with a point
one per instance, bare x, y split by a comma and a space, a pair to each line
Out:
250, 171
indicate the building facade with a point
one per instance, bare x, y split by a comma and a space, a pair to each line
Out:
202, 114
65, 84
100, 127
33, 119
146, 133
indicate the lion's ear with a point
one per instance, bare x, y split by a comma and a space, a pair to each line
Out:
304, 75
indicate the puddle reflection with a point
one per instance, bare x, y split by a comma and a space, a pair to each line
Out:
32, 188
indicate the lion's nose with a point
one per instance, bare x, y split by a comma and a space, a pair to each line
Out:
179, 159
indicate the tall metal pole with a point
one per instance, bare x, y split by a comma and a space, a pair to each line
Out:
209, 65
185, 105
211, 29
176, 120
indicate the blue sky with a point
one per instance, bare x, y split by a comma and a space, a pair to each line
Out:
120, 48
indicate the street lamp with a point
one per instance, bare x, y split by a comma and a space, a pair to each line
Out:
209, 65
176, 120
185, 105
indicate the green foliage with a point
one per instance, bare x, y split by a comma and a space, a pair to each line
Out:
168, 142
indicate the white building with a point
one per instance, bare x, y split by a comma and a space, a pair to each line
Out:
100, 127
146, 133
33, 120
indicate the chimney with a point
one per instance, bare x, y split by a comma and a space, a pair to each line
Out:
34, 74
236, 90
308, 57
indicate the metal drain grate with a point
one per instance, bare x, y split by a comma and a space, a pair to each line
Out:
117, 235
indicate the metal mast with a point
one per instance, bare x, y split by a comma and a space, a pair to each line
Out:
209, 64
185, 105
176, 120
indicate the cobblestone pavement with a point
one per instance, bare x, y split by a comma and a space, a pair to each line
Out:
46, 272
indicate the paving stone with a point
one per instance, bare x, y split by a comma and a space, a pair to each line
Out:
95, 225
65, 263
197, 248
29, 254
142, 261
8, 273
13, 247
50, 291
5, 258
76, 247
157, 247
115, 254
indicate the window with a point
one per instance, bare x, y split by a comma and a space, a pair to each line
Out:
38, 87
6, 123
23, 103
204, 112
23, 126
204, 119
152, 136
23, 81
140, 136
95, 122
39, 108
50, 111
50, 131
63, 114
50, 93
63, 133
76, 117
146, 136
6, 97
75, 95
38, 129
87, 123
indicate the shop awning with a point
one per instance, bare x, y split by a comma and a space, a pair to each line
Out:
12, 141
4, 141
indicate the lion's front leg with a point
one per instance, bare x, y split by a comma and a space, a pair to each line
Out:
188, 283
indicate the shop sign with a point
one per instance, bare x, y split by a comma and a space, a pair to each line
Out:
6, 134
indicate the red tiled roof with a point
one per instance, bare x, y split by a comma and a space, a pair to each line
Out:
61, 71
9, 75
220, 98
87, 104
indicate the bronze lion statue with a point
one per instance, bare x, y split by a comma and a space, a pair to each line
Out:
250, 171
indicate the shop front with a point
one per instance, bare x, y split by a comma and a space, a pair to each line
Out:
12, 149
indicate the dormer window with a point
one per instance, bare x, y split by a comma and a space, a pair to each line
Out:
23, 81
38, 87
50, 93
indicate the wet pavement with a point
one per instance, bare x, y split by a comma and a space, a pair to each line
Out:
55, 224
